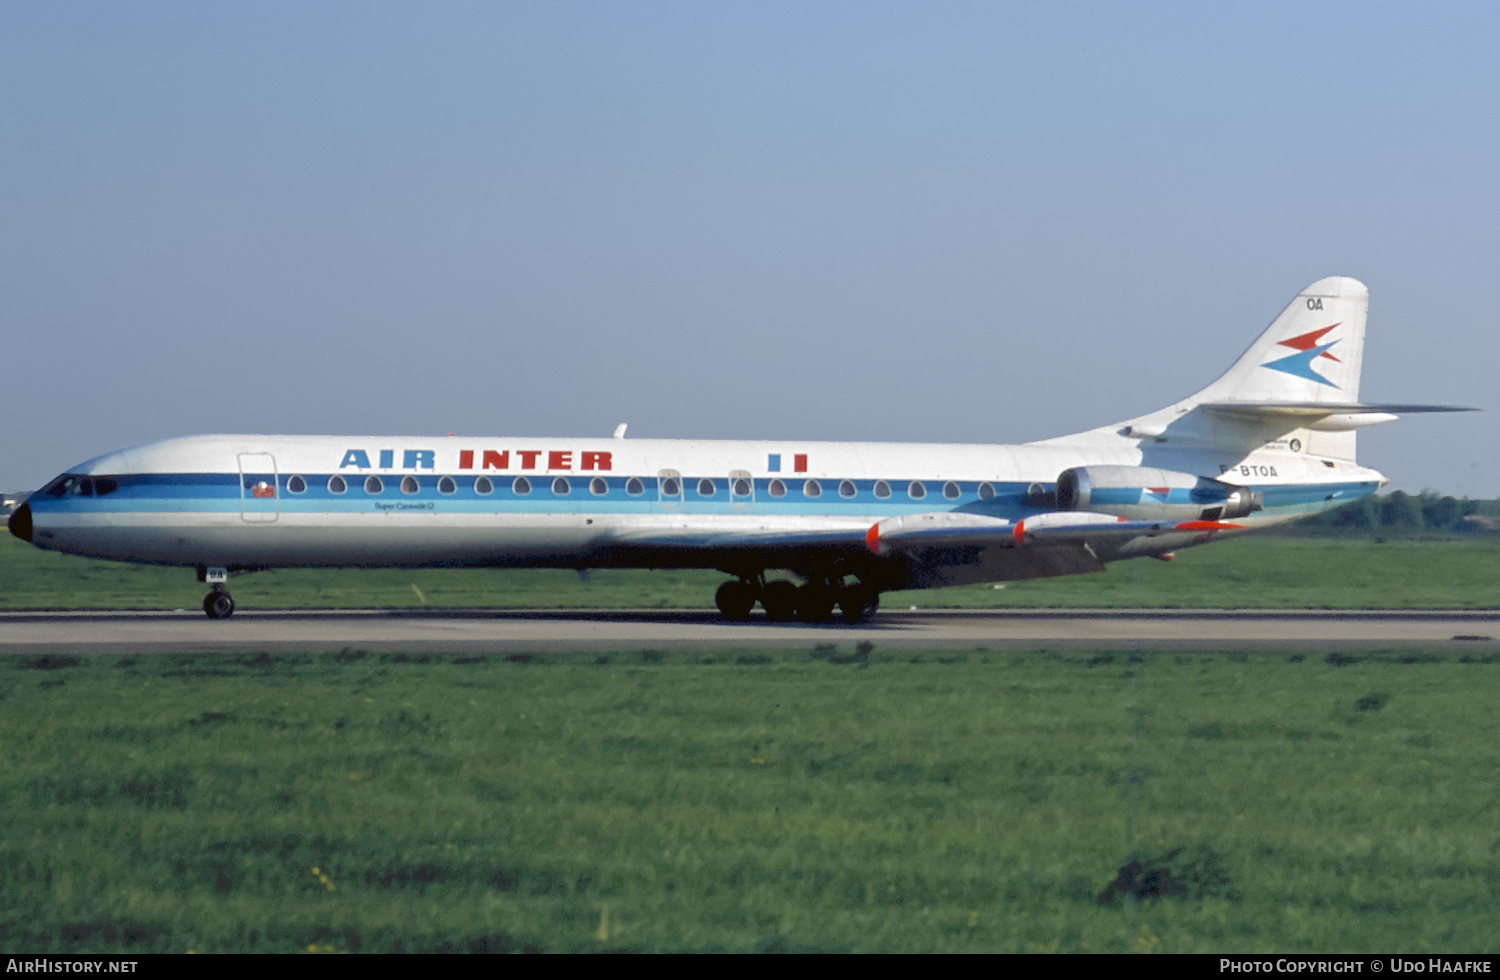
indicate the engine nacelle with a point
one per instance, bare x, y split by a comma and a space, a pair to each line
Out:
1143, 493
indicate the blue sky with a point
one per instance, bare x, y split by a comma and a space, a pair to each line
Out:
933, 222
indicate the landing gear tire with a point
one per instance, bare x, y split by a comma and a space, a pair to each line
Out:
779, 600
735, 600
858, 604
815, 603
218, 605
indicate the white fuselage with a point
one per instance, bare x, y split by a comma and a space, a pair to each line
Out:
283, 501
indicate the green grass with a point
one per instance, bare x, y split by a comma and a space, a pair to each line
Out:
1251, 572
784, 800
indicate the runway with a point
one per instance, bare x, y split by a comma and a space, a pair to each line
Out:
467, 631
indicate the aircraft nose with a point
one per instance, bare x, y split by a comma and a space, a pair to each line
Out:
20, 522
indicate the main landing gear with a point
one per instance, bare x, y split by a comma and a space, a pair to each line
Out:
218, 604
784, 601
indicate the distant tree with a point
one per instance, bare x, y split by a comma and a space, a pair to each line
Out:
1360, 515
1400, 511
1440, 513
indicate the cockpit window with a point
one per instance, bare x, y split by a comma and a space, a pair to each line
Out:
69, 485
105, 485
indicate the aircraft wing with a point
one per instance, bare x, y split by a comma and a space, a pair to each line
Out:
912, 551
707, 537
911, 533
684, 546
958, 549
949, 529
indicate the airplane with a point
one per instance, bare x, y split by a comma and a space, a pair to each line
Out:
1271, 440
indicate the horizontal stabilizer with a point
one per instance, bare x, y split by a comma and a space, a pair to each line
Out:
1321, 416
1323, 409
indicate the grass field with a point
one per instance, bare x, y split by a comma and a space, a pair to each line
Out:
791, 800
1252, 572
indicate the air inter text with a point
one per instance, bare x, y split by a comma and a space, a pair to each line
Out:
484, 459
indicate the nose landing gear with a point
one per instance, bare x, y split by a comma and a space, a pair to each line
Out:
218, 604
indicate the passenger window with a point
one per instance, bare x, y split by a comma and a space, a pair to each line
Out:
915, 490
296, 485
777, 489
705, 487
634, 487
812, 489
986, 492
846, 488
483, 486
447, 485
520, 486
560, 486
373, 484
882, 489
950, 490
742, 488
409, 485
669, 487
336, 484
598, 487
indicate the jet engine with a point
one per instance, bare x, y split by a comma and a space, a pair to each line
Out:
1144, 493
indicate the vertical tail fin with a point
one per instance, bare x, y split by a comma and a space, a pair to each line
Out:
1299, 382
1310, 353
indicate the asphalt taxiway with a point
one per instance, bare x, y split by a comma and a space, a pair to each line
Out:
468, 631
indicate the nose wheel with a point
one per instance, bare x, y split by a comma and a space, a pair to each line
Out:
218, 604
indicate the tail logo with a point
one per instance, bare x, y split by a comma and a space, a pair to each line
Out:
1308, 349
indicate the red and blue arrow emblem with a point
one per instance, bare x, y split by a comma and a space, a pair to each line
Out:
1307, 347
